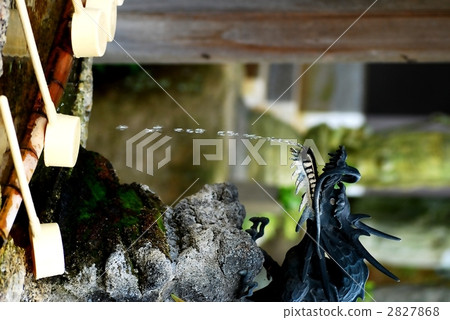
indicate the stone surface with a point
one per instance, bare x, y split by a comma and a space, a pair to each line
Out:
84, 284
12, 272
209, 247
154, 270
121, 283
4, 16
82, 106
117, 247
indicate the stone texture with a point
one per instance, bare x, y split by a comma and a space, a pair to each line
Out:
4, 16
84, 284
82, 106
12, 272
115, 245
209, 247
121, 283
154, 270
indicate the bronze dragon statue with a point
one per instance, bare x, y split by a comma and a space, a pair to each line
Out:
328, 263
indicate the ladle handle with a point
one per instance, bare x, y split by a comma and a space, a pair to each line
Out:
18, 164
38, 70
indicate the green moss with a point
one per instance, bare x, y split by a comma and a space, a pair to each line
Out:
128, 221
95, 211
160, 223
130, 200
97, 196
98, 190
85, 214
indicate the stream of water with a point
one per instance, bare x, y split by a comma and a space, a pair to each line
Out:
220, 133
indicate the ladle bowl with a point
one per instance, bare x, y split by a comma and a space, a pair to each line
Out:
62, 141
110, 9
88, 37
48, 251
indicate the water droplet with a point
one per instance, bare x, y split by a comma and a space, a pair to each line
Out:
178, 129
290, 142
200, 130
189, 131
221, 133
157, 128
230, 133
147, 130
121, 127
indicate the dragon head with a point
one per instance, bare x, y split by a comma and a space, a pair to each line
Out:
338, 169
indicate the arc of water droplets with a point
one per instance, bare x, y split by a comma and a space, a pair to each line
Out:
221, 133
257, 137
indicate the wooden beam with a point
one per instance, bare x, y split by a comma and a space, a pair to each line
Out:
200, 31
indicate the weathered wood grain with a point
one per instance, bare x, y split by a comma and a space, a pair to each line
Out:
178, 31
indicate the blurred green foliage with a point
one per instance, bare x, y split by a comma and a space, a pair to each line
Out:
405, 157
290, 202
281, 225
369, 289
427, 211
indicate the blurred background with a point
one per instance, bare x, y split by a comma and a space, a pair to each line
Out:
392, 117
